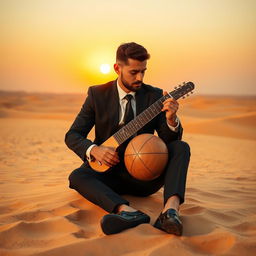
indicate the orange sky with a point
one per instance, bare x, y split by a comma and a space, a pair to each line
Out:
58, 46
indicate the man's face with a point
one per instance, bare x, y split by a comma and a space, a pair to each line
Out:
131, 74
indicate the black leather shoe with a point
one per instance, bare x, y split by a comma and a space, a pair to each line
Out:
169, 222
115, 223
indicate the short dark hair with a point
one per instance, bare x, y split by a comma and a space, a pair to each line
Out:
132, 51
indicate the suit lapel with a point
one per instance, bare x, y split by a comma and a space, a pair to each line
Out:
140, 101
114, 106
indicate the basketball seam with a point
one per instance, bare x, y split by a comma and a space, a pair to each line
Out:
146, 141
145, 165
138, 155
133, 163
159, 153
133, 148
134, 157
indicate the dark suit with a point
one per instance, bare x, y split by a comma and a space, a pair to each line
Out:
101, 108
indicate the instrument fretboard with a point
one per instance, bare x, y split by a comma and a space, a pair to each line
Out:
148, 114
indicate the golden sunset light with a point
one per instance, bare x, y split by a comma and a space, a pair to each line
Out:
128, 127
104, 68
60, 46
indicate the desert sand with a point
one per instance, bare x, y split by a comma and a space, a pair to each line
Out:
40, 215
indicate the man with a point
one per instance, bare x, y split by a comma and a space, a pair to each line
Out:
106, 108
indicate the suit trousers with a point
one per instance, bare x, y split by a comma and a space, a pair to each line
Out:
105, 188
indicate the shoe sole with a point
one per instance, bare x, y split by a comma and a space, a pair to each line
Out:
170, 227
115, 224
173, 228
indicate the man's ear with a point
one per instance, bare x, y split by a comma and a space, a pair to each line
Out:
117, 68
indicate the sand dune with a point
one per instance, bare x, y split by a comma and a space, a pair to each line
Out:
237, 126
40, 215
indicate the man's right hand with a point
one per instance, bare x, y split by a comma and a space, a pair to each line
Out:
105, 155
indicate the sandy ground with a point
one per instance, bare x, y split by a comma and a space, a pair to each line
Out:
40, 215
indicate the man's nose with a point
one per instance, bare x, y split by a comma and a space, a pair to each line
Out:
139, 76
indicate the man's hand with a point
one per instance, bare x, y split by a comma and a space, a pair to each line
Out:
170, 106
105, 155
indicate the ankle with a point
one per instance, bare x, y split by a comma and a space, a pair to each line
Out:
170, 207
127, 208
173, 202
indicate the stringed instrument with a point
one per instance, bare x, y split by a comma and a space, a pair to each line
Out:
118, 138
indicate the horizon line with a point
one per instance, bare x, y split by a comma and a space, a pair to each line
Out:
79, 93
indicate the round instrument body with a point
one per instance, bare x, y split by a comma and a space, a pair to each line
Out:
146, 157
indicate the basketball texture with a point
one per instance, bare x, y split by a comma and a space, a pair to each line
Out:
145, 157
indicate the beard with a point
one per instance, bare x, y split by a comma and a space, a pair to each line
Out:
129, 86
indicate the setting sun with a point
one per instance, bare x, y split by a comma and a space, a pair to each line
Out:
105, 68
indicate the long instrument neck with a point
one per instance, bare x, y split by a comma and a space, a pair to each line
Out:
141, 120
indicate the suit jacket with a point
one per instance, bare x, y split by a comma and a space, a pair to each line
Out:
101, 109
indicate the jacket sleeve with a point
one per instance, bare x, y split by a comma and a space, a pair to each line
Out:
76, 137
164, 132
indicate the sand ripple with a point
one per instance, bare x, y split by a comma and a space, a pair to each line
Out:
40, 215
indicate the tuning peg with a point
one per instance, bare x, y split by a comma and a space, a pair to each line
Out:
192, 92
183, 97
183, 83
187, 95
179, 85
175, 87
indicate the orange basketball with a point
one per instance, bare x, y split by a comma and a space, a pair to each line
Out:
146, 157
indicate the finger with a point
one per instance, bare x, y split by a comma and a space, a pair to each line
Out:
112, 155
169, 106
169, 109
171, 100
110, 151
172, 104
104, 160
107, 163
165, 92
110, 162
107, 148
112, 159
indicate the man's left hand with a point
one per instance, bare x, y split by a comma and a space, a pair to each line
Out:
170, 106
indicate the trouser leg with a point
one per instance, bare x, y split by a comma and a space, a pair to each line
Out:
176, 170
104, 189
99, 188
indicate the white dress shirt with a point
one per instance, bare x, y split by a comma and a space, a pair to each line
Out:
122, 106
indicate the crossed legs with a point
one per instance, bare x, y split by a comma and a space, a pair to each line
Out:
105, 189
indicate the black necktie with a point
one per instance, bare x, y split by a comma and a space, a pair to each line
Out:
128, 115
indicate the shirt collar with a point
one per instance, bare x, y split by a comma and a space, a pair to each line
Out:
122, 93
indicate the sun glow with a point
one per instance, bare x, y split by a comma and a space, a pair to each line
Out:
96, 66
105, 68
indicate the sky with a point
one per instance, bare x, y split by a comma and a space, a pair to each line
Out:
59, 45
